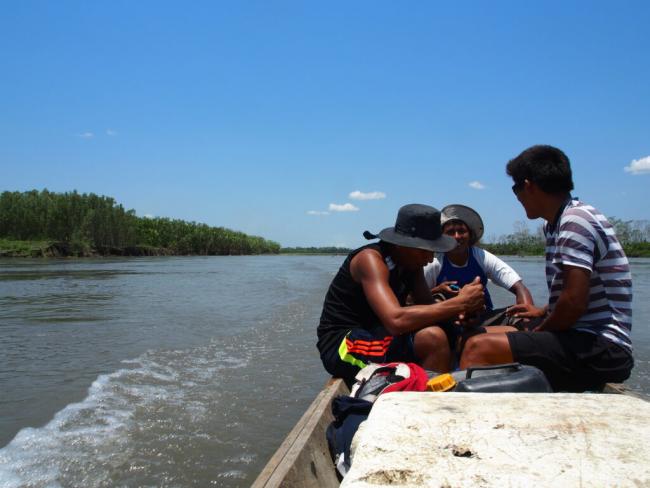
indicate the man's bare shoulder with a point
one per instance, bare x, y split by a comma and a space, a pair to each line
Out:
366, 263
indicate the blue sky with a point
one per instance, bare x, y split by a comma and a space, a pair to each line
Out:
266, 116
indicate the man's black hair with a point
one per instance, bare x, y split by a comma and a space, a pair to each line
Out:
546, 166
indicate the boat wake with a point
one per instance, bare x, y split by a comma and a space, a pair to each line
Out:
114, 435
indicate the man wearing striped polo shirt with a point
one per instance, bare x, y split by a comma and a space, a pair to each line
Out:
583, 339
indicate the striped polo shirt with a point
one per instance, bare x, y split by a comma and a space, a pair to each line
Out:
584, 238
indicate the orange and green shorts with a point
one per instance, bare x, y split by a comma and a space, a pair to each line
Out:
355, 348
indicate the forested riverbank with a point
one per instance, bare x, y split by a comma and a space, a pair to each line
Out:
44, 223
315, 250
48, 224
634, 236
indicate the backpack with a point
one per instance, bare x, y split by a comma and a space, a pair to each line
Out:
350, 411
376, 379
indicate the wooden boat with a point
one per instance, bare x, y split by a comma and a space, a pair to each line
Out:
303, 459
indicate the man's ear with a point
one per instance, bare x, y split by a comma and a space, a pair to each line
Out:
530, 185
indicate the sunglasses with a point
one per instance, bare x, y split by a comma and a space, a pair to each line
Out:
516, 188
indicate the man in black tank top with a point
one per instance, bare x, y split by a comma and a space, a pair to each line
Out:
365, 317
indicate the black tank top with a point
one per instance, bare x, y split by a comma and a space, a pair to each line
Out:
346, 306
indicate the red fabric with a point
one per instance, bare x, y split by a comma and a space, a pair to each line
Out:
417, 381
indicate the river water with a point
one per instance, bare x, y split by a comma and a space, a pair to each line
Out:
175, 371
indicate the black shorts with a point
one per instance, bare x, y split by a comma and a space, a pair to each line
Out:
355, 348
458, 336
572, 360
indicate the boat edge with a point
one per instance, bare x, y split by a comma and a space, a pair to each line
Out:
303, 458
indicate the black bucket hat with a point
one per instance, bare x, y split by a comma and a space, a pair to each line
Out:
416, 226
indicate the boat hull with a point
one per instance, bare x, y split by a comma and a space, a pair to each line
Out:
303, 459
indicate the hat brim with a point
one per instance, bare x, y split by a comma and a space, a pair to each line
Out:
465, 214
441, 244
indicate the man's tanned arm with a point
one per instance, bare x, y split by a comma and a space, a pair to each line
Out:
369, 269
572, 302
521, 292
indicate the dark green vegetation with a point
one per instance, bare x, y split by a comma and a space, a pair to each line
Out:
634, 236
23, 248
72, 224
520, 243
315, 250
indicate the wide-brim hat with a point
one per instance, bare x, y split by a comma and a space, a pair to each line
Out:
465, 214
417, 226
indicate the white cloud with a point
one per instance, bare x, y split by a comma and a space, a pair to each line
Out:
317, 212
86, 135
148, 216
373, 195
346, 207
477, 185
639, 166
111, 132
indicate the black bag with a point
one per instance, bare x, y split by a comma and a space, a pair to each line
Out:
502, 378
348, 414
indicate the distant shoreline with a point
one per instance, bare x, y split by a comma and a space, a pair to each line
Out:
48, 224
632, 250
49, 249
52, 249
42, 224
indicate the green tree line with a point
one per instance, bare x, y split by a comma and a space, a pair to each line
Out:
521, 242
634, 236
88, 222
315, 250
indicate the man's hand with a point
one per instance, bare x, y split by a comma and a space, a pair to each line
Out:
472, 298
446, 289
572, 302
467, 321
525, 311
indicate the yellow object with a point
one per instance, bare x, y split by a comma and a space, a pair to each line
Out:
442, 382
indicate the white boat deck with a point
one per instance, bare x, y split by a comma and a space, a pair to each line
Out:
503, 440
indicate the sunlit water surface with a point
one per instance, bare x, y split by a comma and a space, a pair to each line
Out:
175, 371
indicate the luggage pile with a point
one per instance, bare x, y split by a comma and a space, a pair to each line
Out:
376, 379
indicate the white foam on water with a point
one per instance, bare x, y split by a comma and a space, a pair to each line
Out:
91, 442
233, 473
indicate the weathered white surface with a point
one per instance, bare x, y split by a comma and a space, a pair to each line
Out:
503, 440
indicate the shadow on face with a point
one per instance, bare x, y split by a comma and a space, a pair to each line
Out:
459, 231
411, 258
525, 193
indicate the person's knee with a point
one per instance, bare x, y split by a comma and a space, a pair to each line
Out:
485, 349
431, 339
475, 349
432, 349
